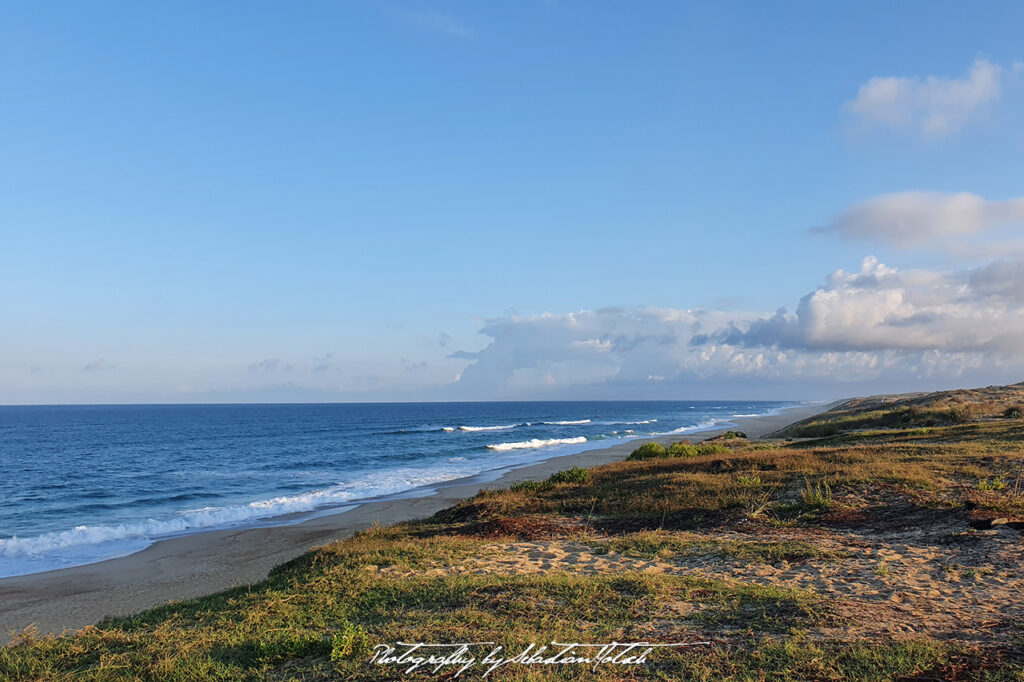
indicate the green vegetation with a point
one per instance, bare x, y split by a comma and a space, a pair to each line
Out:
649, 450
684, 448
817, 496
729, 435
350, 642
319, 616
997, 483
934, 409
574, 475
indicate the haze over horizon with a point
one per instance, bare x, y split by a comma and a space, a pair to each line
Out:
544, 200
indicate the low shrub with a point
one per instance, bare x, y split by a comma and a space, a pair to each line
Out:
574, 475
1014, 412
649, 450
729, 435
531, 486
684, 448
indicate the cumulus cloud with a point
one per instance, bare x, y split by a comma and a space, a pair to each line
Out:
586, 347
878, 322
908, 219
881, 308
933, 106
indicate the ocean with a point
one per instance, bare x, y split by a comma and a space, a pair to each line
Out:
84, 483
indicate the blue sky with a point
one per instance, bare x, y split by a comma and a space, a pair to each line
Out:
327, 201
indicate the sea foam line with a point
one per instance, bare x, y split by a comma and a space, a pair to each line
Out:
499, 427
505, 427
216, 517
703, 426
536, 443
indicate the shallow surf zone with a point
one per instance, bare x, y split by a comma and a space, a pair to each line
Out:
85, 544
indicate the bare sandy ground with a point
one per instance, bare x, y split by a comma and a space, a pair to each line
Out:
199, 564
888, 584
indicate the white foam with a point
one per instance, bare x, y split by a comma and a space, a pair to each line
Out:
703, 426
568, 423
448, 428
536, 443
500, 427
85, 544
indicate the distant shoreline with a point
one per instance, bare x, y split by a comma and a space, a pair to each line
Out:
200, 563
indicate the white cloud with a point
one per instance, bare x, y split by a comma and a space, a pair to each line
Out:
880, 308
934, 106
877, 324
934, 219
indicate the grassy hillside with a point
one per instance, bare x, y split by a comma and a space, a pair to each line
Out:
883, 541
916, 409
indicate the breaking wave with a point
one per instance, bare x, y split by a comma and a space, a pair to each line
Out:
500, 427
536, 443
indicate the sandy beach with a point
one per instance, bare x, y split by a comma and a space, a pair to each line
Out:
198, 564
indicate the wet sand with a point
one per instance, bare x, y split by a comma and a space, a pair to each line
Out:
202, 563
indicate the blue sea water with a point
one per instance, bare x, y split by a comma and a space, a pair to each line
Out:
83, 483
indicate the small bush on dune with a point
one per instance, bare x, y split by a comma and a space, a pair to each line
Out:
574, 475
685, 449
531, 486
729, 435
1014, 412
681, 449
651, 450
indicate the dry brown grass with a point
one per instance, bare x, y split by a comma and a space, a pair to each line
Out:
314, 616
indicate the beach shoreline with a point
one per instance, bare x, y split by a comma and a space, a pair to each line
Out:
198, 564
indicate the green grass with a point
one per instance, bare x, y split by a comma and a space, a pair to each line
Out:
329, 613
997, 483
318, 617
817, 496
